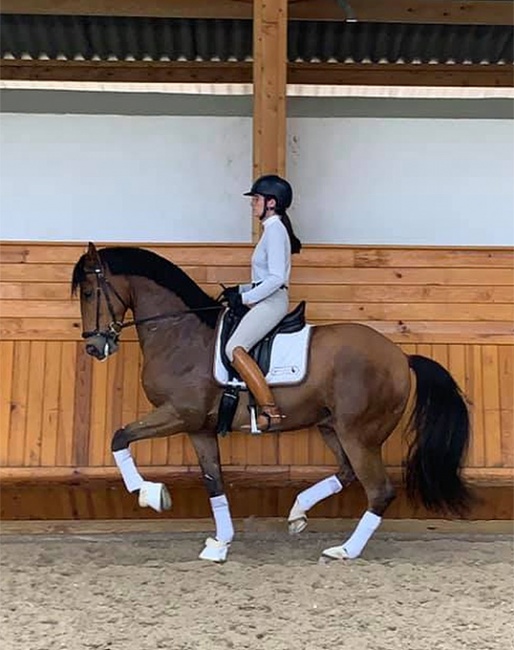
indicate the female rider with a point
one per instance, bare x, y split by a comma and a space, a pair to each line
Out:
267, 296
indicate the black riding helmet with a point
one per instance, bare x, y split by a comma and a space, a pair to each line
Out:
273, 186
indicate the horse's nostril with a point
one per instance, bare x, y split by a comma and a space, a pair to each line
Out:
92, 351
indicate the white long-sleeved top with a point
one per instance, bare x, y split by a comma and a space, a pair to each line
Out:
271, 262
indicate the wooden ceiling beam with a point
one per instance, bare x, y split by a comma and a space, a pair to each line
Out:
480, 12
487, 76
127, 72
370, 74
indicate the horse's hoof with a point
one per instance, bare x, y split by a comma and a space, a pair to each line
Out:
215, 551
296, 526
297, 519
154, 495
336, 553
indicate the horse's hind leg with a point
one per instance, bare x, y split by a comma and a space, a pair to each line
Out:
326, 487
370, 471
208, 453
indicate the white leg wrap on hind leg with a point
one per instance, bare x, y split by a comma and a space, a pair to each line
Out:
131, 477
354, 546
309, 497
319, 491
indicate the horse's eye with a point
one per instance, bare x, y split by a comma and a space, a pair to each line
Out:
88, 294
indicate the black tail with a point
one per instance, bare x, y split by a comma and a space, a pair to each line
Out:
441, 439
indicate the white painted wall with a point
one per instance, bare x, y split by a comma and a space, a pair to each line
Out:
402, 180
124, 178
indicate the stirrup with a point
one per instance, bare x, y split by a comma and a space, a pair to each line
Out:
269, 421
257, 425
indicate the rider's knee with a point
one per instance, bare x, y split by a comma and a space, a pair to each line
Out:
230, 347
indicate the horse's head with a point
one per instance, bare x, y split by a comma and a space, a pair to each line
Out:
104, 300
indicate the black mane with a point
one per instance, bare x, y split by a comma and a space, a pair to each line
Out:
122, 260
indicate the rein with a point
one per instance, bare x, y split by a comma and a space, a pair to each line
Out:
104, 287
171, 314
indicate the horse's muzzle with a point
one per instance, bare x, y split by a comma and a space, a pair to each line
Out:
101, 346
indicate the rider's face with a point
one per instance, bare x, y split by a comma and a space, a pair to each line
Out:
258, 205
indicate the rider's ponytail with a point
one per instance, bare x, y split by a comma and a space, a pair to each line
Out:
296, 244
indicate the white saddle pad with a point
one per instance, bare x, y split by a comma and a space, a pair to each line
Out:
288, 363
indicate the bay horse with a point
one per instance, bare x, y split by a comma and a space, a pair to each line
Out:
358, 388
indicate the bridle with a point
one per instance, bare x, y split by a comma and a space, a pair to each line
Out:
107, 290
104, 288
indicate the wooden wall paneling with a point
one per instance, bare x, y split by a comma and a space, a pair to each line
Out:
440, 354
405, 294
253, 449
64, 454
6, 400
36, 386
506, 379
293, 448
160, 451
317, 449
113, 414
491, 397
51, 405
26, 272
315, 255
82, 407
238, 448
99, 400
506, 399
131, 381
51, 291
20, 383
385, 275
474, 390
80, 497
108, 415
507, 437
269, 450
409, 312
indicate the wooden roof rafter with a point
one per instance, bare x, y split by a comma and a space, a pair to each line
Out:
465, 12
359, 74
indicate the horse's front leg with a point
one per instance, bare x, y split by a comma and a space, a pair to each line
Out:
163, 421
207, 450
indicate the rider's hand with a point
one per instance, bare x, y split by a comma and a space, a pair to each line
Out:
235, 302
230, 291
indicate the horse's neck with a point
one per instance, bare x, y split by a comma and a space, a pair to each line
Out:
177, 330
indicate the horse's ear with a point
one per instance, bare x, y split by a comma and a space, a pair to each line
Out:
92, 253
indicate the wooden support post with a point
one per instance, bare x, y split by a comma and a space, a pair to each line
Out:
269, 90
